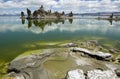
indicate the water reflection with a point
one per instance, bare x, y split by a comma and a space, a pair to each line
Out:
71, 20
71, 25
110, 20
43, 22
68, 25
23, 21
29, 23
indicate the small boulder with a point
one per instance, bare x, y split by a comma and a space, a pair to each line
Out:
70, 45
104, 56
76, 74
112, 51
117, 71
92, 43
98, 55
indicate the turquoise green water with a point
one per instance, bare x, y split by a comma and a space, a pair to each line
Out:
14, 35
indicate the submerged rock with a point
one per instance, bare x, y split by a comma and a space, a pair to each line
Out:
112, 51
70, 45
92, 43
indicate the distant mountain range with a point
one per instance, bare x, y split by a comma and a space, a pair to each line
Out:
10, 15
100, 14
82, 14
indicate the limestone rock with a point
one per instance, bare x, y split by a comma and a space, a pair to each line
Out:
76, 74
112, 51
98, 74
30, 67
92, 74
117, 71
98, 55
103, 55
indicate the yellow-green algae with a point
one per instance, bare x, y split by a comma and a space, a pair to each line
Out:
3, 68
30, 52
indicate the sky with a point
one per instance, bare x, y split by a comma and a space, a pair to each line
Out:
77, 6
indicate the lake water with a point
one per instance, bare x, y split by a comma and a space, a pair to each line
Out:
17, 36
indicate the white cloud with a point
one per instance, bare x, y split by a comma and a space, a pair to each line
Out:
1, 0
77, 6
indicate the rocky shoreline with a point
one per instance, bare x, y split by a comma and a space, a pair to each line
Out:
85, 64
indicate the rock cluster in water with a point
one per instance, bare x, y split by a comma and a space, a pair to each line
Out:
43, 14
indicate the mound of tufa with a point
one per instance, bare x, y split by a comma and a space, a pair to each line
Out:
98, 55
92, 74
98, 74
76, 74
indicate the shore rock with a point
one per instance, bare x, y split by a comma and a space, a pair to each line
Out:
92, 74
30, 67
76, 74
32, 60
98, 74
112, 51
117, 71
98, 55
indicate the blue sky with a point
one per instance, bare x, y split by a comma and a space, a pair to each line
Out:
77, 6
